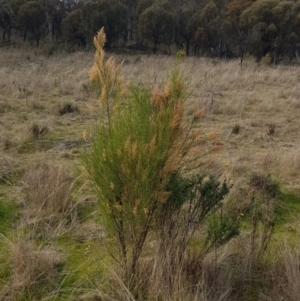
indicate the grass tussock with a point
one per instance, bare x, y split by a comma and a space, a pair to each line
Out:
292, 273
48, 208
38, 130
68, 108
33, 271
230, 274
10, 169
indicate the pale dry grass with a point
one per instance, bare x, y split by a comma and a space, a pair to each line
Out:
285, 162
33, 271
292, 273
10, 167
254, 97
231, 273
207, 282
48, 209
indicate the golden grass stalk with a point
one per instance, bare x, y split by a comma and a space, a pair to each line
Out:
106, 75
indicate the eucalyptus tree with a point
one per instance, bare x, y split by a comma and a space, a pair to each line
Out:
274, 28
32, 17
9, 16
73, 30
157, 25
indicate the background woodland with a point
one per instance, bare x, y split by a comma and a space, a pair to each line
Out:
220, 28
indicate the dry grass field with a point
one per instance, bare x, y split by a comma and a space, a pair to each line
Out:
47, 110
255, 110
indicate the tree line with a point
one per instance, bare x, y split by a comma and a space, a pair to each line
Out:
214, 28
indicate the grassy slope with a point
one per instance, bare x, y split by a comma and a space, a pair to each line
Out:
263, 101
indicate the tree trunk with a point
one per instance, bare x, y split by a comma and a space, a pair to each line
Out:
129, 20
49, 25
8, 33
297, 56
66, 46
25, 34
187, 47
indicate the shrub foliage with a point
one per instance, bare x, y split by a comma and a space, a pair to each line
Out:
135, 160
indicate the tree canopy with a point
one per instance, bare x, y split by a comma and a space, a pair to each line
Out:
215, 28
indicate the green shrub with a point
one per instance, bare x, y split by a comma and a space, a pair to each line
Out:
135, 161
196, 203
